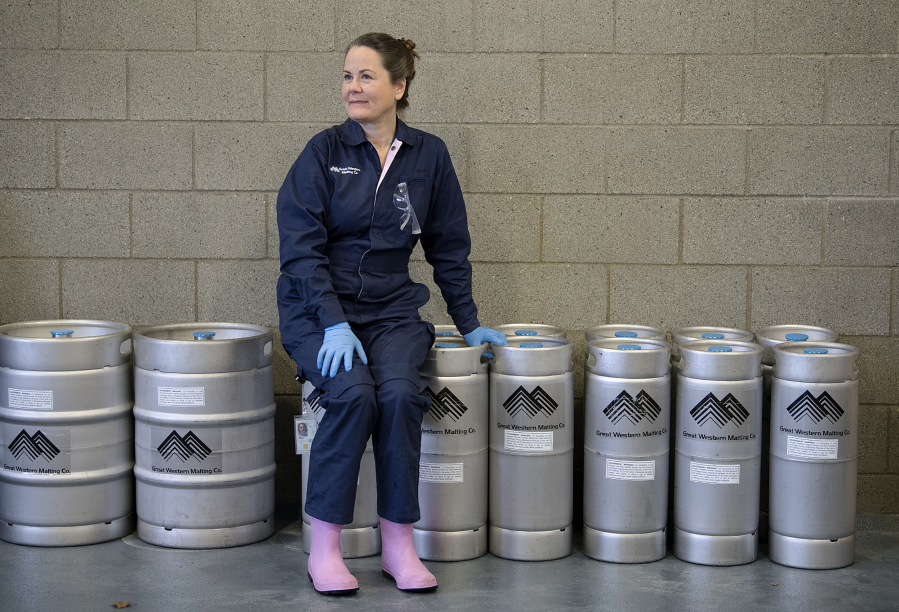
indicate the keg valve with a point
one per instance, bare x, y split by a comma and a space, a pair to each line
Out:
62, 333
204, 335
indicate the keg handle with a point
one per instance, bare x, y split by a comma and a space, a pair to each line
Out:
125, 348
591, 360
267, 349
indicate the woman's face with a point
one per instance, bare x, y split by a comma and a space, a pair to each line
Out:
368, 94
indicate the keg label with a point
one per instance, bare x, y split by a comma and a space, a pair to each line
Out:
440, 472
25, 399
805, 448
630, 470
714, 474
185, 452
37, 452
304, 432
525, 441
181, 396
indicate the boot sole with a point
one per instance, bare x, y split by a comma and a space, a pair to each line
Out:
338, 592
430, 589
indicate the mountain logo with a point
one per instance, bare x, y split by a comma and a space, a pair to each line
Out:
721, 412
183, 448
444, 404
37, 445
815, 408
532, 403
634, 410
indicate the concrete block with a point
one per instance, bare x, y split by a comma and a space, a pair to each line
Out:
893, 459
29, 25
818, 161
752, 231
494, 237
894, 169
129, 291
193, 225
305, 87
64, 224
532, 25
612, 89
163, 25
864, 90
862, 233
125, 155
435, 27
895, 325
753, 90
676, 161
570, 296
28, 153
878, 494
564, 160
684, 26
203, 86
484, 88
610, 229
672, 297
850, 301
273, 25
238, 291
878, 368
248, 156
827, 26
873, 439
285, 369
453, 137
54, 85
271, 220
30, 290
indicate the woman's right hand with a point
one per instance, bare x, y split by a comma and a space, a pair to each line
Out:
339, 344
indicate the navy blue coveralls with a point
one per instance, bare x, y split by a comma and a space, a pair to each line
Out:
345, 258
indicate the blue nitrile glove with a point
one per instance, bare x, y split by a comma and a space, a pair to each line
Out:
484, 334
339, 344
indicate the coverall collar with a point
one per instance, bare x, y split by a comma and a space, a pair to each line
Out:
352, 133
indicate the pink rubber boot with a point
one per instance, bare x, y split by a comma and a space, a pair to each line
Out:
399, 560
327, 570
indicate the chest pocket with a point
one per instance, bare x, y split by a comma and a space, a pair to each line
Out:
418, 195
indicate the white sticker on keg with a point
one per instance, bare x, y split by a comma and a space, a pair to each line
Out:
804, 448
630, 470
440, 472
180, 396
304, 431
25, 399
714, 474
526, 441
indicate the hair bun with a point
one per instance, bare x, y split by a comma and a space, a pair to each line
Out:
409, 44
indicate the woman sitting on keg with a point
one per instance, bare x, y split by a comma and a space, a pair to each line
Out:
352, 208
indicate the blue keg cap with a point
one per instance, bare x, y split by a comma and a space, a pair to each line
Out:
713, 336
445, 345
203, 335
815, 351
796, 337
62, 333
720, 349
531, 345
443, 333
625, 334
628, 347
525, 332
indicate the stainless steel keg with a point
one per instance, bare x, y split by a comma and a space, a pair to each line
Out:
626, 444
718, 452
67, 433
768, 338
362, 537
452, 489
531, 449
204, 434
625, 332
526, 330
814, 455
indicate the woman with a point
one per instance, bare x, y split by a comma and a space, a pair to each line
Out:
352, 208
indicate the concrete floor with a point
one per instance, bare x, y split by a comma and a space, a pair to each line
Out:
271, 576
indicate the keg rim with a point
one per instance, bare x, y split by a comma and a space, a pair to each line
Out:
555, 341
144, 334
612, 344
545, 330
114, 327
688, 335
592, 333
766, 337
797, 349
703, 346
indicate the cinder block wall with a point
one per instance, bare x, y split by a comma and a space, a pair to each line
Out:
663, 162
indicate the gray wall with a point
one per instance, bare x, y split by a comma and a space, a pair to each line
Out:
664, 162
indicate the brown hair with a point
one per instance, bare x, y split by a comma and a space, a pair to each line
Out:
397, 55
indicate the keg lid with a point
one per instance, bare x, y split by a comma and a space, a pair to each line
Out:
204, 335
525, 332
62, 333
447, 345
88, 345
531, 330
796, 337
720, 360
531, 345
446, 330
712, 336
815, 362
624, 331
237, 347
640, 358
444, 333
692, 334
